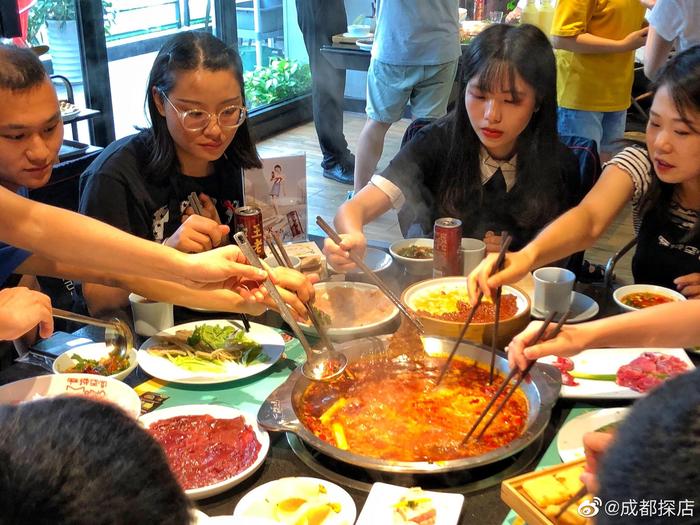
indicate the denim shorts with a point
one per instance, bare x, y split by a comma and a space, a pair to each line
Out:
391, 87
604, 127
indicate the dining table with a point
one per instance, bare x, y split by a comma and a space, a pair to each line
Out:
482, 491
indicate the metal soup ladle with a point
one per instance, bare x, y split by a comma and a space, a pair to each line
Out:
117, 333
320, 365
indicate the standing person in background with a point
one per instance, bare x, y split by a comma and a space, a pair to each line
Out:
414, 59
319, 20
670, 21
595, 42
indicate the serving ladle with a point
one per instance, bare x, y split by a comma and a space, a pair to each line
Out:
320, 365
118, 335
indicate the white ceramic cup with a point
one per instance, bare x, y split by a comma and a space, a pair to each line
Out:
150, 317
358, 30
472, 252
553, 287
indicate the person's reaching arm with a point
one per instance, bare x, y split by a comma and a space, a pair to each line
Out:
74, 239
656, 53
21, 309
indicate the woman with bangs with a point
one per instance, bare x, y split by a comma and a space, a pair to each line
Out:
663, 183
198, 142
495, 161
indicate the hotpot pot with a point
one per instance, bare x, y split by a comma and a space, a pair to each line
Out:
279, 411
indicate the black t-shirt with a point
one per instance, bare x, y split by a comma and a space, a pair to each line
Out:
418, 171
116, 189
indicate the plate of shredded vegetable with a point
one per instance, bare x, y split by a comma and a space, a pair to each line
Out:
207, 352
96, 359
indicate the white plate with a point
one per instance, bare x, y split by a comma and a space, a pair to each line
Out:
365, 44
96, 387
376, 259
162, 368
220, 412
352, 331
94, 351
608, 361
336, 494
582, 307
379, 505
570, 437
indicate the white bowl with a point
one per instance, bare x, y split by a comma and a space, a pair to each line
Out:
413, 266
272, 262
358, 30
87, 385
219, 412
649, 288
92, 351
462, 13
353, 332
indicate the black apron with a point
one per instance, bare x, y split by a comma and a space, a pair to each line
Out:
661, 255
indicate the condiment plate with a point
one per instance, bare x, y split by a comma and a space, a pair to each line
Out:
582, 309
379, 507
254, 505
219, 412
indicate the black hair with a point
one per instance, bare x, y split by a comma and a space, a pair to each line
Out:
656, 454
20, 68
71, 460
681, 76
189, 51
494, 57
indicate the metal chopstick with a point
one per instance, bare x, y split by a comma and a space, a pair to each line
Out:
372, 276
521, 376
320, 328
501, 256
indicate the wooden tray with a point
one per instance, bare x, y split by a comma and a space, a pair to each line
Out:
342, 39
516, 498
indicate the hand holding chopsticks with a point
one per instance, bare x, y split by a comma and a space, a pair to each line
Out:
510, 376
372, 276
505, 243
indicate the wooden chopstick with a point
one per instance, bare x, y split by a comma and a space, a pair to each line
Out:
372, 276
501, 256
497, 311
512, 373
573, 499
278, 250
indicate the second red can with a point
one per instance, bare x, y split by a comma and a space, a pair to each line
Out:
447, 237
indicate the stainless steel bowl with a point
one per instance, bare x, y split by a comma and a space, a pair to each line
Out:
278, 412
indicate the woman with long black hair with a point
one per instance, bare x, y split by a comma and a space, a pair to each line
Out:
495, 161
198, 142
662, 181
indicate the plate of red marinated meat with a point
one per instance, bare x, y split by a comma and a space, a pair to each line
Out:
210, 448
618, 373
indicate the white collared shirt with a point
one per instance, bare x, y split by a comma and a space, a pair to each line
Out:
488, 165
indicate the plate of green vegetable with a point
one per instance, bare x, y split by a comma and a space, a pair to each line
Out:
207, 352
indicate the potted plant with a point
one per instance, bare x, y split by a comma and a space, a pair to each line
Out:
59, 18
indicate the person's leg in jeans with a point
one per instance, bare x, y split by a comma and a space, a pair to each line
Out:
579, 123
614, 123
388, 91
319, 20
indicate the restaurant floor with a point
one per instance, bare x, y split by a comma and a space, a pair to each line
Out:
325, 195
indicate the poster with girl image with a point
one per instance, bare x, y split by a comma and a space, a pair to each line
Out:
279, 190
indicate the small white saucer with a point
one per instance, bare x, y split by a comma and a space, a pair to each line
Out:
583, 308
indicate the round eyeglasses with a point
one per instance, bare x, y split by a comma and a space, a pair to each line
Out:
228, 118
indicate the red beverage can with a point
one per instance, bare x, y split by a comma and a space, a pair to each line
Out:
294, 223
447, 237
249, 220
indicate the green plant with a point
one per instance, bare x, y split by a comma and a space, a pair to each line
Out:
62, 11
281, 80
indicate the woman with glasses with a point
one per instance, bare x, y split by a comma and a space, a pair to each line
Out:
198, 142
